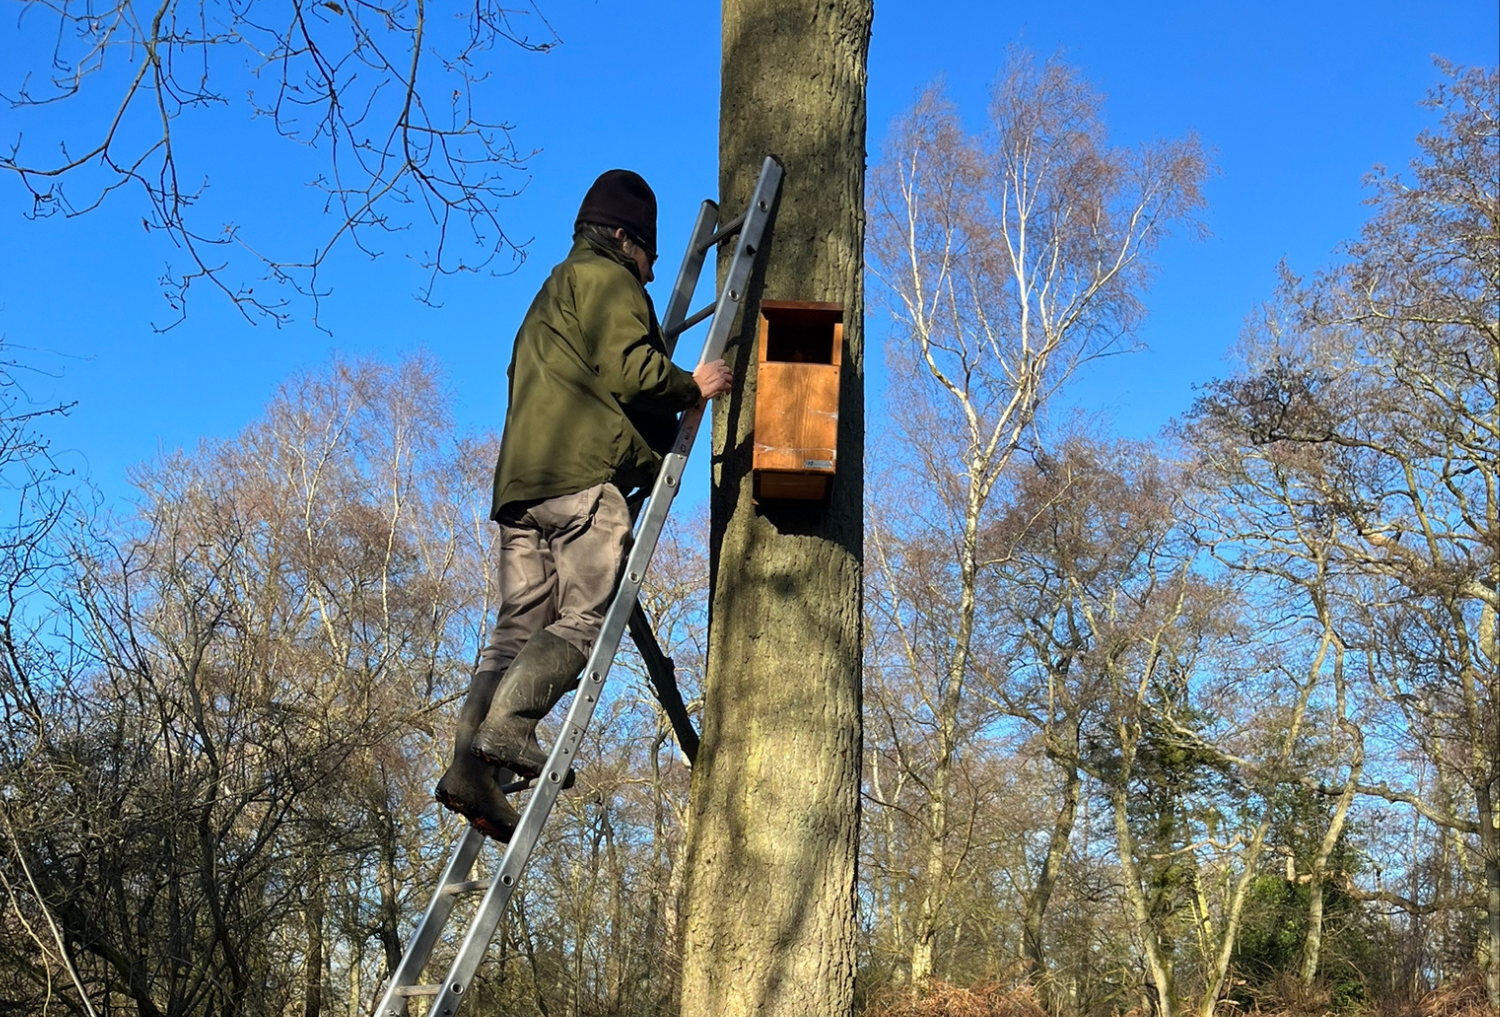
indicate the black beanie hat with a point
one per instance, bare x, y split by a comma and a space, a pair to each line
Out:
622, 199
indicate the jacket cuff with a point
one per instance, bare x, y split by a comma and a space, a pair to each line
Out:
684, 388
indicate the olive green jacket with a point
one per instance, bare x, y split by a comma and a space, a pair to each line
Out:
592, 389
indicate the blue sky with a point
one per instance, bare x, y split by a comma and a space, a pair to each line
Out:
1296, 101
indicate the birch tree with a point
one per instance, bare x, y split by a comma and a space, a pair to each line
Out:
1008, 259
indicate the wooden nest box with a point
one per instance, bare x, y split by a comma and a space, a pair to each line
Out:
797, 400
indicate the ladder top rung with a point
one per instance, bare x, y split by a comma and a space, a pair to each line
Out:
418, 990
469, 886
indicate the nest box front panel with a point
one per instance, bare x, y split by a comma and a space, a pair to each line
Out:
796, 417
797, 399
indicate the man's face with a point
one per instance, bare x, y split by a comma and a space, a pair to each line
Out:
643, 260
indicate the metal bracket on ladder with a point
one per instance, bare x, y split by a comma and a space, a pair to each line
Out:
497, 890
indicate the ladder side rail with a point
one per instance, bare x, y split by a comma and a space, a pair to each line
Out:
725, 309
460, 863
586, 699
688, 275
756, 218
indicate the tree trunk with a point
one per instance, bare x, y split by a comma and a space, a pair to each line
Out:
1046, 880
933, 894
356, 982
1487, 784
312, 972
1230, 934
938, 878
1489, 847
1312, 945
769, 895
1161, 982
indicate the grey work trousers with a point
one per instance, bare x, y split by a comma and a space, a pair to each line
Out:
559, 560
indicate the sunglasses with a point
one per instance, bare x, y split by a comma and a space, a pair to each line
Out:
650, 254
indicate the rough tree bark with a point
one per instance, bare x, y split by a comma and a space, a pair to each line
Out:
769, 896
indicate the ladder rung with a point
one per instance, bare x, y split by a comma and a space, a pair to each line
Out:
726, 231
527, 783
471, 886
418, 990
692, 320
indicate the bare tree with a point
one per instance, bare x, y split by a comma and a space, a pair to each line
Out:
1368, 399
37, 504
1008, 260
1258, 519
255, 659
389, 101
1127, 663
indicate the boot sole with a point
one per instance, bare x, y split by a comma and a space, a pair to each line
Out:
519, 769
469, 812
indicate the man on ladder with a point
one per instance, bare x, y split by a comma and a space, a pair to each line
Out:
592, 409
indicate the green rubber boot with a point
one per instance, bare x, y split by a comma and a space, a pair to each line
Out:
470, 787
542, 673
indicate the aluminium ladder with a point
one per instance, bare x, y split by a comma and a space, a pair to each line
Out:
405, 983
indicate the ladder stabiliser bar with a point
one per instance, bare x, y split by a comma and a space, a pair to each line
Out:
663, 675
555, 776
